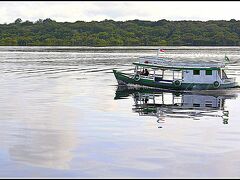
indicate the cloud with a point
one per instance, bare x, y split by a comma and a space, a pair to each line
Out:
99, 10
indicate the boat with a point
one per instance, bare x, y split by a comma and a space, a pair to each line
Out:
180, 75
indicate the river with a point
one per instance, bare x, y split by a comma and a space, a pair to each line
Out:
63, 115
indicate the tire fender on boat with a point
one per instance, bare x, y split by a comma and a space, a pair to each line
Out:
136, 77
177, 83
216, 84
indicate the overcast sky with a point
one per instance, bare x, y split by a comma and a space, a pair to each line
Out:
118, 10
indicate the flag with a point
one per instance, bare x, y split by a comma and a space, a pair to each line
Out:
162, 50
226, 58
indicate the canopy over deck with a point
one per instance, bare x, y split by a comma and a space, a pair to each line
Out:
168, 63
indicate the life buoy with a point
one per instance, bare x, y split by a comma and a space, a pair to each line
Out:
177, 83
216, 84
136, 77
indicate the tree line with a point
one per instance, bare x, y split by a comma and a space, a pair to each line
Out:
48, 32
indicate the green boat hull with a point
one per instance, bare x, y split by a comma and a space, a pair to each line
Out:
127, 79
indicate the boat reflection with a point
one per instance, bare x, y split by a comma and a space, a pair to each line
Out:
166, 104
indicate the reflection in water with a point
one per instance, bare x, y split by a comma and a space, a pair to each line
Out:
165, 104
37, 127
42, 148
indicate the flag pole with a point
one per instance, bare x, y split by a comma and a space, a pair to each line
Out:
158, 52
224, 60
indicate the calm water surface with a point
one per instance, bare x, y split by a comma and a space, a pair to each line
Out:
63, 115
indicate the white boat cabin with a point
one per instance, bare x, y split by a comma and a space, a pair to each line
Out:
167, 70
203, 75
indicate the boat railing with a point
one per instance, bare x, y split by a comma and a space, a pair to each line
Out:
150, 76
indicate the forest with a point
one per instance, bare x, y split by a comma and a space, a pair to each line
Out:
49, 32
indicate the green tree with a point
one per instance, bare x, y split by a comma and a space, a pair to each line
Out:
18, 21
120, 33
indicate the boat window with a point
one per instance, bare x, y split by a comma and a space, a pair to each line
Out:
208, 72
208, 105
196, 72
196, 105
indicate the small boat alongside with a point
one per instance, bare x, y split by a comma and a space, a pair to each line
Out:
151, 72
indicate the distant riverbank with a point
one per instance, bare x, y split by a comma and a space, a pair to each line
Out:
120, 33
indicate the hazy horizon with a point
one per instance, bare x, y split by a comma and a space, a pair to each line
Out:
64, 11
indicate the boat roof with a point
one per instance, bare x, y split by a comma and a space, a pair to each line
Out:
168, 63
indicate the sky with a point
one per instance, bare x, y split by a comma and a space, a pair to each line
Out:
71, 11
